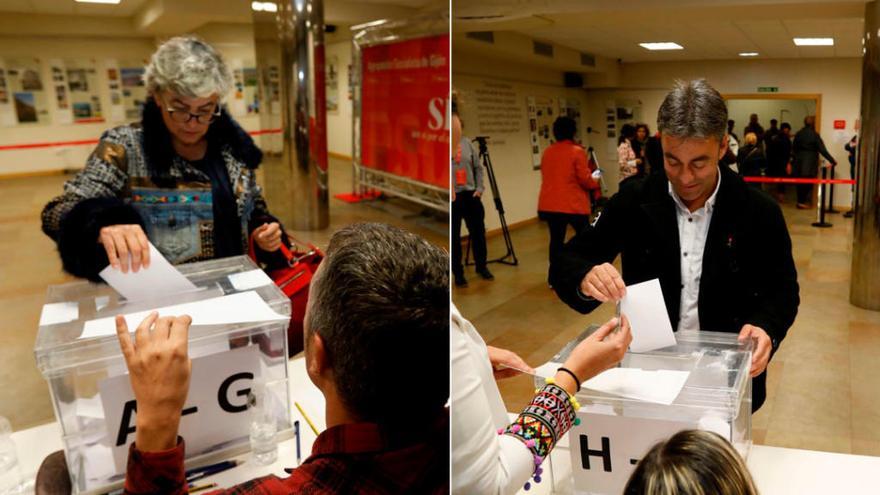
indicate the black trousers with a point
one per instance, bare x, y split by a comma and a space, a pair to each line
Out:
558, 223
470, 209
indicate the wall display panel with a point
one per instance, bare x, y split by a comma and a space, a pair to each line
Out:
542, 112
332, 84
251, 90
83, 83
7, 109
134, 92
27, 90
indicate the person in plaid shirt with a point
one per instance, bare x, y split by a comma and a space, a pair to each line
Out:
377, 346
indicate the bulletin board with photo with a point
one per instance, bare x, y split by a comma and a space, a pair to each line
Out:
542, 111
27, 90
570, 107
134, 92
251, 90
84, 90
331, 81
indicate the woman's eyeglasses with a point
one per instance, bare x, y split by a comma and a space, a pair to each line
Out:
183, 116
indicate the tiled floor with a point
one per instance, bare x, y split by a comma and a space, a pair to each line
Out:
823, 389
30, 263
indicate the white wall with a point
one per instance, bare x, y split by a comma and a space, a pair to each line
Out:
339, 122
511, 155
837, 80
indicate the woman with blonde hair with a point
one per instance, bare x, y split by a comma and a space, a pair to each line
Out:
751, 160
692, 462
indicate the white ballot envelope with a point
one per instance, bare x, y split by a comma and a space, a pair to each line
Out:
160, 279
645, 309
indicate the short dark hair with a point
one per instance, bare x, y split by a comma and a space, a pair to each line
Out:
785, 125
381, 305
773, 121
627, 131
564, 128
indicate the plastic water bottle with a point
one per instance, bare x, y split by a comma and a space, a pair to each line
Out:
10, 476
264, 444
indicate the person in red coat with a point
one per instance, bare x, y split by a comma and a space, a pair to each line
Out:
566, 185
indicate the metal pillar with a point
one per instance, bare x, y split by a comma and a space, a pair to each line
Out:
865, 281
290, 59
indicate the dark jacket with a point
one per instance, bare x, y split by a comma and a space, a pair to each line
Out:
778, 154
748, 275
806, 147
750, 160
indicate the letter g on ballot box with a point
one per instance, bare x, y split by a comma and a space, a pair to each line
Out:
242, 338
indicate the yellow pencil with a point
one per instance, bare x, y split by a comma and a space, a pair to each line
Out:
202, 487
309, 421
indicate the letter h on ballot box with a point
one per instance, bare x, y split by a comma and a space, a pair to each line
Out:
605, 448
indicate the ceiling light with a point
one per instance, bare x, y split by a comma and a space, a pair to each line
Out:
665, 45
113, 2
814, 41
264, 6
748, 54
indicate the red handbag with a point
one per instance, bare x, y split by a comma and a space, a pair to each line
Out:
294, 280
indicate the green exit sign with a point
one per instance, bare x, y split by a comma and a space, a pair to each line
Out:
768, 89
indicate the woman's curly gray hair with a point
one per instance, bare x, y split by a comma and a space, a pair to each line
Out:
188, 66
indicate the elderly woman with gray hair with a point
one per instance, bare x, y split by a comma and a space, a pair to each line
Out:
182, 178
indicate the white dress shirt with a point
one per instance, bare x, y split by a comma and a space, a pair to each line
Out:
693, 227
483, 462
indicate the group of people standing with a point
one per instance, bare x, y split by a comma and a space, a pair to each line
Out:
774, 153
638, 152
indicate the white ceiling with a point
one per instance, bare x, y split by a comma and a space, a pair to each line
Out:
718, 29
155, 17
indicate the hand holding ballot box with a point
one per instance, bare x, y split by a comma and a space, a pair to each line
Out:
238, 336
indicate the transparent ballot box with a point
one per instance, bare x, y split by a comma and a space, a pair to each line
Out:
616, 431
90, 387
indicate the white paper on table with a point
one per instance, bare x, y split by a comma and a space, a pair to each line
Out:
62, 312
249, 280
243, 307
160, 279
660, 386
645, 309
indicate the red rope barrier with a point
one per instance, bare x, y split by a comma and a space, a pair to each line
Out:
85, 142
797, 180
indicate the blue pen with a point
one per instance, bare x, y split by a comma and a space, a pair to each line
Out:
296, 432
211, 467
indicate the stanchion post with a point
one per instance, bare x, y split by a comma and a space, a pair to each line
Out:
831, 194
821, 223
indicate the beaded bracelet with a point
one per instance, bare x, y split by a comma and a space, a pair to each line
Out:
543, 422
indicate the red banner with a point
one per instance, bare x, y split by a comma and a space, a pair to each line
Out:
404, 115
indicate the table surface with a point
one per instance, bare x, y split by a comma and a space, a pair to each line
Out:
44, 439
776, 470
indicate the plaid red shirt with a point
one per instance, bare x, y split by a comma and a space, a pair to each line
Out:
350, 458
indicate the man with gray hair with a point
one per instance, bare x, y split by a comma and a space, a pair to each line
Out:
377, 347
720, 249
